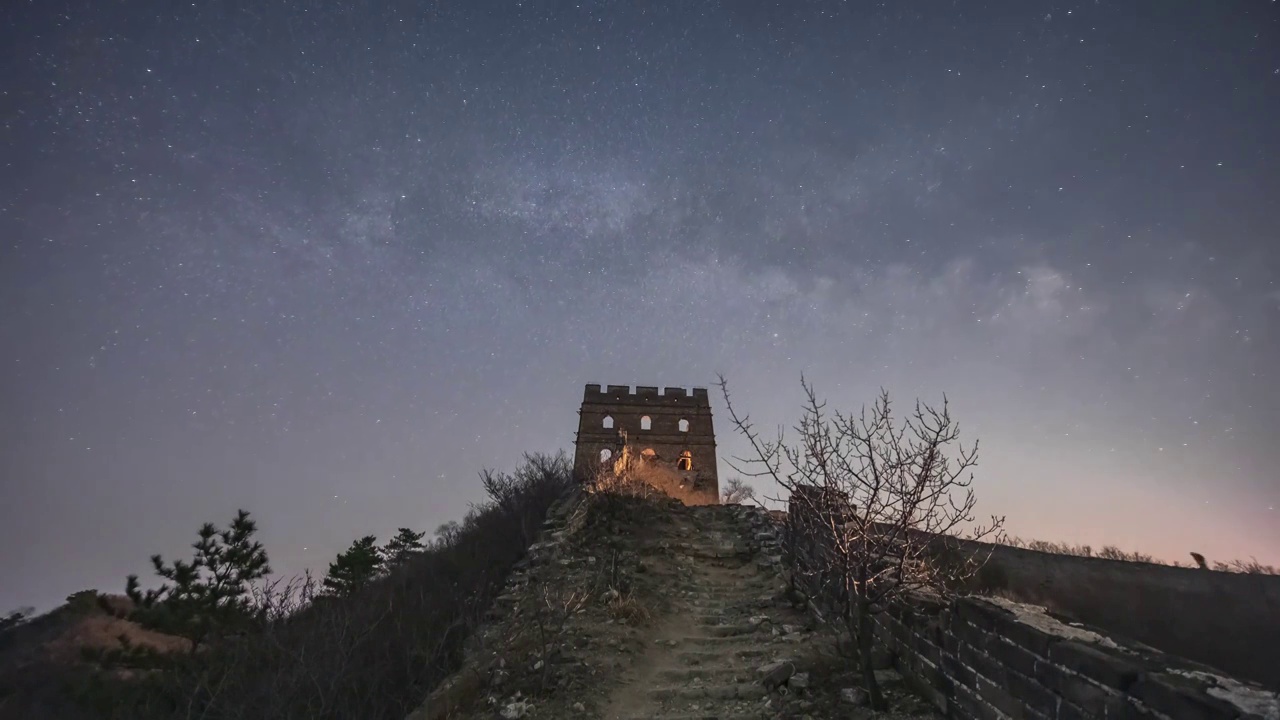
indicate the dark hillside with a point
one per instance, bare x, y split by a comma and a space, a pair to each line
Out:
372, 655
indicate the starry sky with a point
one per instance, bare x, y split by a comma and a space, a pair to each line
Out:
326, 261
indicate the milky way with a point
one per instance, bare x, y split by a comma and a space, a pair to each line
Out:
326, 263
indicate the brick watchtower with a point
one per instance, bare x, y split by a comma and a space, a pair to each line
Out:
671, 429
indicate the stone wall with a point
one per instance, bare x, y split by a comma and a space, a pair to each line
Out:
660, 425
982, 658
1230, 621
461, 689
992, 658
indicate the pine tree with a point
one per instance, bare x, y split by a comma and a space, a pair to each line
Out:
353, 569
403, 547
211, 592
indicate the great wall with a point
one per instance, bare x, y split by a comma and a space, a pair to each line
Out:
635, 605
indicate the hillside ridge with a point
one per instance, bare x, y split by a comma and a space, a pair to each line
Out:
659, 610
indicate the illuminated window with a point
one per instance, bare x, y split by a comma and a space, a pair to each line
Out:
686, 461
608, 421
645, 423
648, 454
684, 425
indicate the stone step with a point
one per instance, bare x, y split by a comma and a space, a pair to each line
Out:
731, 629
729, 642
736, 691
728, 599
717, 619
707, 675
746, 583
728, 595
721, 609
708, 657
700, 715
742, 589
733, 643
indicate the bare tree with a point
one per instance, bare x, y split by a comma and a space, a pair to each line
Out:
883, 502
736, 491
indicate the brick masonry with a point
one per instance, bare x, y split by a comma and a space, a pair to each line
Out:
987, 658
1228, 620
679, 422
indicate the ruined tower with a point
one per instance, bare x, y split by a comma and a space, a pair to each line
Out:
669, 431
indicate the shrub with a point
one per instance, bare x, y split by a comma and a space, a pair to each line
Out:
372, 654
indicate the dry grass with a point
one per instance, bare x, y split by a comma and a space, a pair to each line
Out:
103, 633
634, 476
627, 607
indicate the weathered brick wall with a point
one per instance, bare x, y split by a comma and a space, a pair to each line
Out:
679, 422
991, 658
983, 658
1228, 620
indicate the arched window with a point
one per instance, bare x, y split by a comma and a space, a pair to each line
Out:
646, 423
686, 461
684, 425
606, 455
648, 455
608, 422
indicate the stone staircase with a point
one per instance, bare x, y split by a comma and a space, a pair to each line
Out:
719, 636
729, 639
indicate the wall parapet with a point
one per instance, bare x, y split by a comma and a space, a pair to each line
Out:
980, 657
1227, 620
987, 658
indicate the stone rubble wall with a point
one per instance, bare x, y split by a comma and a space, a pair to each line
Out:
982, 658
564, 518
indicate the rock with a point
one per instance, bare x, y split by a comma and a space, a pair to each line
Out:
516, 709
579, 707
799, 681
846, 645
775, 673
887, 677
854, 696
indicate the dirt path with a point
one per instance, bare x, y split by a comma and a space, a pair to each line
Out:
700, 627
728, 619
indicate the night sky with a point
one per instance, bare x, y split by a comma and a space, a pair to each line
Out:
326, 261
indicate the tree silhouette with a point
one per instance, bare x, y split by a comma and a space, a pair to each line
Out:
209, 594
880, 503
403, 547
354, 568
15, 618
736, 491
